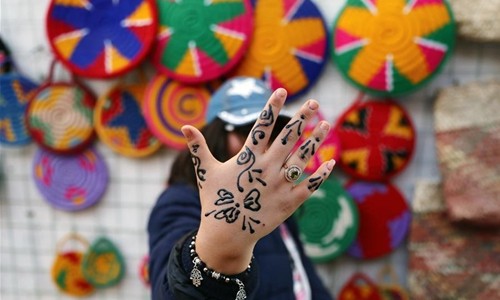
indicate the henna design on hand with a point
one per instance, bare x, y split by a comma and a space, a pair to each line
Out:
194, 148
248, 157
310, 145
267, 118
251, 201
247, 222
290, 126
315, 183
200, 172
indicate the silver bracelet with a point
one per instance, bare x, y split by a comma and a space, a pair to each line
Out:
196, 275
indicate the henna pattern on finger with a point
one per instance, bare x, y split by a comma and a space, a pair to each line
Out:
194, 148
290, 127
309, 146
266, 119
200, 172
315, 182
248, 157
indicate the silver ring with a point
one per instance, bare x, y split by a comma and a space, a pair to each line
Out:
292, 173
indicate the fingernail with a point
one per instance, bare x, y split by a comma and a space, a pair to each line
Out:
330, 164
281, 92
324, 126
313, 105
188, 134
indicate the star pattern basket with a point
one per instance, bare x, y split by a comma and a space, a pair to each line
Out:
120, 124
328, 222
169, 105
70, 183
200, 40
15, 93
289, 47
377, 139
392, 47
384, 219
102, 38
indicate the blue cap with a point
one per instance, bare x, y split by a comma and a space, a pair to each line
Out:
239, 101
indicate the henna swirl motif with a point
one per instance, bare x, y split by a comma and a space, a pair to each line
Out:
200, 172
248, 158
266, 119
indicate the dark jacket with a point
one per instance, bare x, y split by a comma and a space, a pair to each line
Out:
176, 215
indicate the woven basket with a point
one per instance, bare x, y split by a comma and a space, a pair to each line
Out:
289, 47
448, 260
201, 40
467, 128
392, 47
478, 20
101, 39
103, 264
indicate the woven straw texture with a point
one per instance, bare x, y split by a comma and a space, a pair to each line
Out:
60, 117
328, 221
103, 264
446, 260
468, 148
101, 38
392, 47
478, 20
200, 40
169, 105
120, 124
15, 93
70, 183
384, 218
289, 46
377, 140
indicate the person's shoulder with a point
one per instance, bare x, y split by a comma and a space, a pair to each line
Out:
178, 193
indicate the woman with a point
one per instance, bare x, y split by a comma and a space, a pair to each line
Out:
221, 230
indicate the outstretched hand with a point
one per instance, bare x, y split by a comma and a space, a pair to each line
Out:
248, 196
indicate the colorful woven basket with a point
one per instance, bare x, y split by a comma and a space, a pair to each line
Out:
169, 105
329, 149
392, 47
144, 270
360, 287
15, 93
66, 272
384, 218
377, 140
101, 38
60, 116
447, 260
70, 183
200, 40
120, 124
289, 47
103, 264
328, 222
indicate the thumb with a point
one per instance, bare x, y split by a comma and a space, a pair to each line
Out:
201, 155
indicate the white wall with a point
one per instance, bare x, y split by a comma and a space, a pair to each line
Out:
30, 228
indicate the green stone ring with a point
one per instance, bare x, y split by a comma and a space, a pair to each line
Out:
292, 173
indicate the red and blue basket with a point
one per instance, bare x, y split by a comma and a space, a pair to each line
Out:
201, 40
289, 47
101, 38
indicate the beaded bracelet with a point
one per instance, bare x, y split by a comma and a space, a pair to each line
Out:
196, 276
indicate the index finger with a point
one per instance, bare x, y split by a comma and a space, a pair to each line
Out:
260, 134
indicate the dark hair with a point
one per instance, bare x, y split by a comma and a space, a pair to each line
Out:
215, 134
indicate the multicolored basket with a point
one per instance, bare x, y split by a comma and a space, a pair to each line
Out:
104, 38
289, 47
103, 264
377, 139
392, 47
119, 121
329, 149
328, 222
15, 93
70, 183
384, 219
66, 268
169, 105
360, 287
200, 40
60, 116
